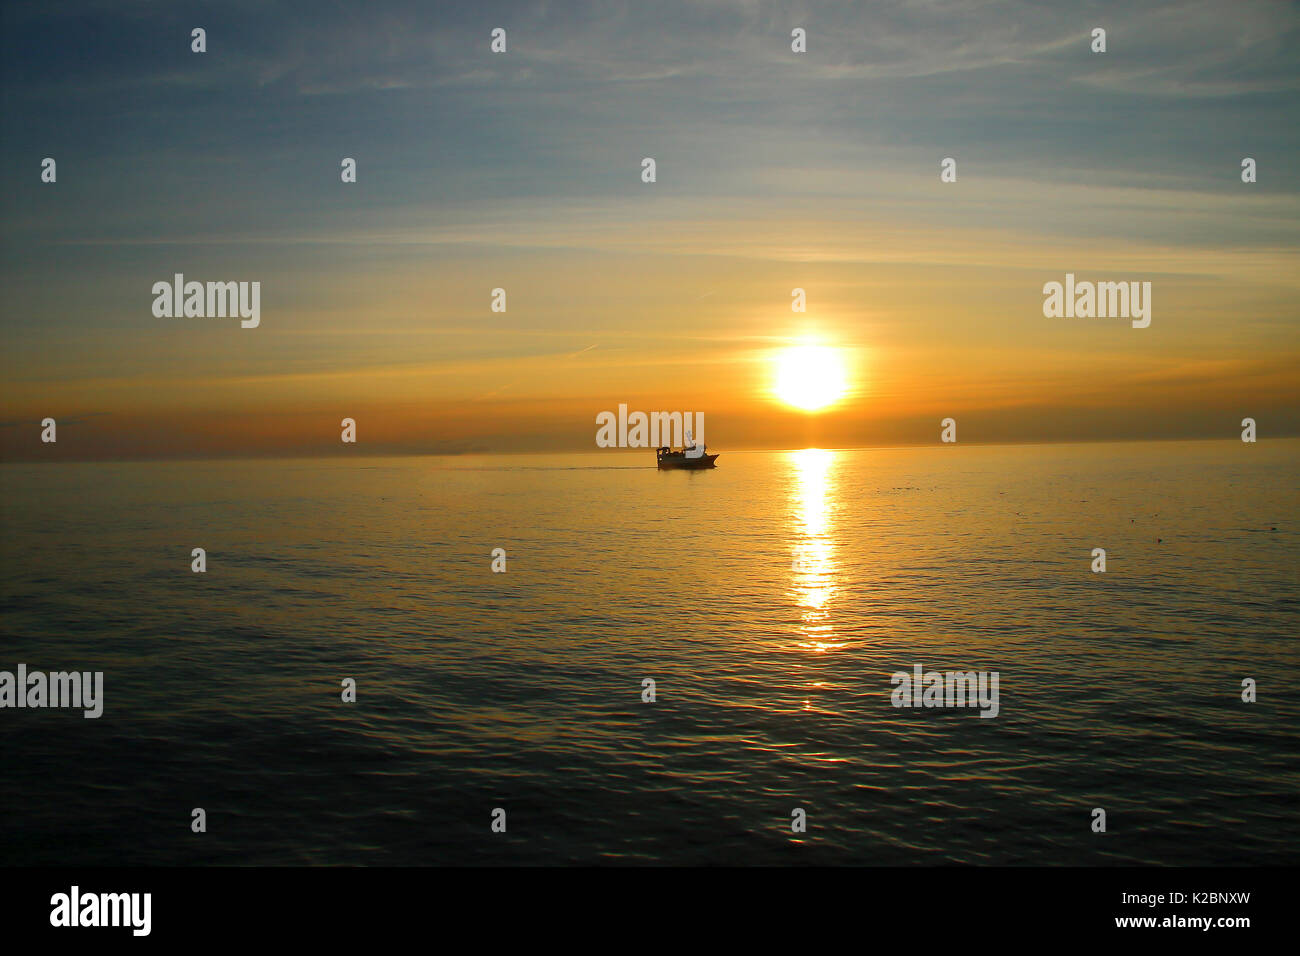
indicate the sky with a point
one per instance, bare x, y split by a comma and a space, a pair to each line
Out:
774, 171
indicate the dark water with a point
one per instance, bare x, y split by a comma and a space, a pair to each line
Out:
522, 690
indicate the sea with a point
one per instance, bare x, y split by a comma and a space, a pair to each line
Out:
663, 667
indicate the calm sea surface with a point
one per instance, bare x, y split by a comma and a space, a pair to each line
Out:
770, 600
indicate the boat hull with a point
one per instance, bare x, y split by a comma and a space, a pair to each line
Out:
676, 462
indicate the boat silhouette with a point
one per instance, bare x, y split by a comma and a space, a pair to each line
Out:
691, 456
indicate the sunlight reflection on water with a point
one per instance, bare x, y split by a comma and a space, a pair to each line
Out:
813, 563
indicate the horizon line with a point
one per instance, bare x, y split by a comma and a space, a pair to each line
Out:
358, 452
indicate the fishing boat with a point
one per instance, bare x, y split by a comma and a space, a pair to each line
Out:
691, 456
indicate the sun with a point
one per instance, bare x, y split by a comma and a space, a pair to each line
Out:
810, 377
